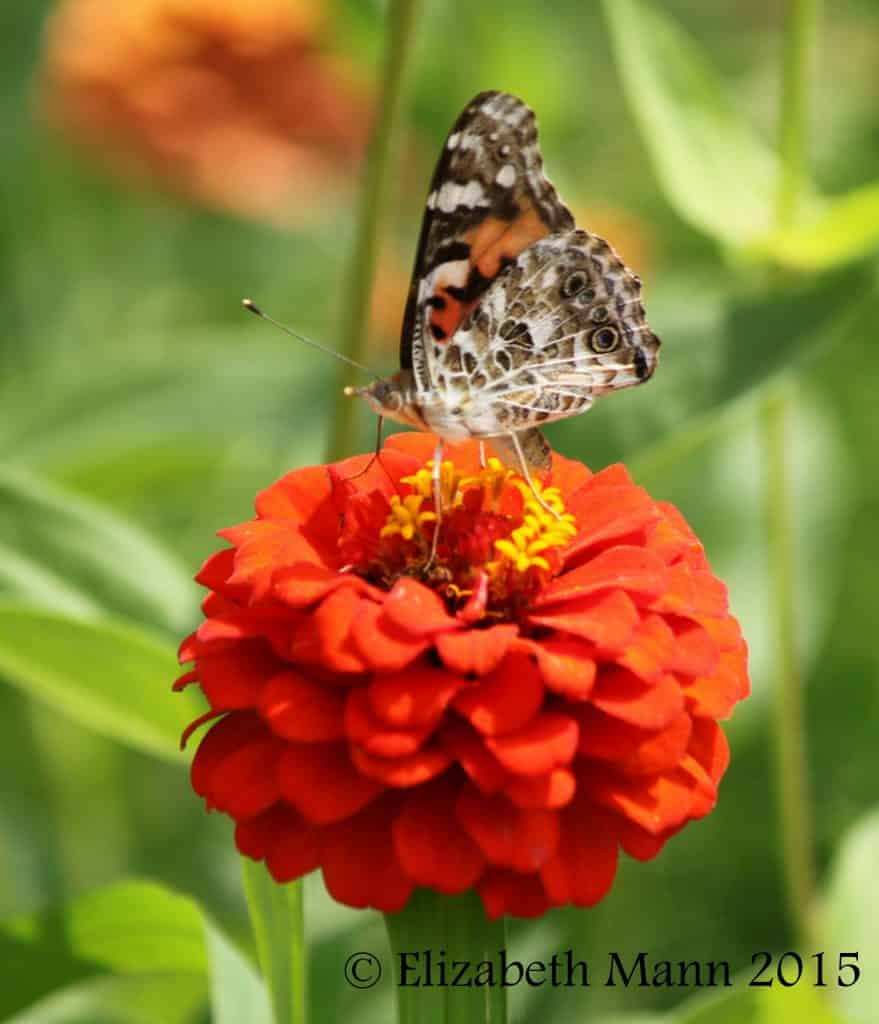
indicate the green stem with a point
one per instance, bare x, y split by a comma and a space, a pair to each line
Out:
800, 38
278, 922
792, 774
402, 16
791, 763
445, 928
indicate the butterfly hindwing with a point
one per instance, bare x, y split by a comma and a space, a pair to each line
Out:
561, 326
489, 200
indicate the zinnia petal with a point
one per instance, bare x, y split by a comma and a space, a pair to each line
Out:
476, 652
414, 696
509, 892
608, 620
381, 644
360, 864
233, 768
568, 666
302, 709
624, 567
413, 608
432, 847
320, 780
509, 836
651, 706
547, 741
583, 868
505, 699
325, 638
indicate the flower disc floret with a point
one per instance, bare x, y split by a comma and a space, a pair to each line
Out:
492, 529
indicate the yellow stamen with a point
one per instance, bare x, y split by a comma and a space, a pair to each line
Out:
406, 517
451, 480
492, 479
538, 532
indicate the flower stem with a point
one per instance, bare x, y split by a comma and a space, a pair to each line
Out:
277, 919
402, 17
792, 775
434, 929
791, 764
800, 37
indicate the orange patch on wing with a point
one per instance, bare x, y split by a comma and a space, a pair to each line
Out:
491, 242
491, 247
450, 317
486, 235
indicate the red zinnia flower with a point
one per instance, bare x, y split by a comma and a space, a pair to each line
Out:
546, 693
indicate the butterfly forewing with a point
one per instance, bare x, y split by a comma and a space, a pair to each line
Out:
489, 200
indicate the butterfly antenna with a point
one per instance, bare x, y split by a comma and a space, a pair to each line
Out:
253, 308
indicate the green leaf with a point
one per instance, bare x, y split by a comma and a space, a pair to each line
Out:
775, 331
735, 1006
639, 1018
121, 954
276, 914
61, 551
105, 675
212, 388
129, 999
133, 928
237, 994
798, 1004
725, 355
851, 918
847, 230
716, 172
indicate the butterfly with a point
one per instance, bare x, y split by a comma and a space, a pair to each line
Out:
515, 317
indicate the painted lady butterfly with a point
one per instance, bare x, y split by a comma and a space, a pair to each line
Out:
515, 317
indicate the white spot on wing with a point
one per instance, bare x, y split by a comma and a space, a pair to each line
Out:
506, 176
453, 140
454, 272
452, 195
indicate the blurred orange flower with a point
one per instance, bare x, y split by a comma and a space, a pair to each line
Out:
235, 105
628, 233
389, 293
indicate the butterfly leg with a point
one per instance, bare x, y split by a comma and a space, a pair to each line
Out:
526, 473
436, 478
482, 460
376, 455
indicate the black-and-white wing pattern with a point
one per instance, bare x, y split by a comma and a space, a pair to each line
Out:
489, 199
561, 326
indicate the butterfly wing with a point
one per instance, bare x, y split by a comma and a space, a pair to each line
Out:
559, 327
489, 200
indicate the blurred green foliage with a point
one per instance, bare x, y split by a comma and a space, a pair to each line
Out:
140, 411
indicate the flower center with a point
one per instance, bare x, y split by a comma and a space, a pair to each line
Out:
496, 543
